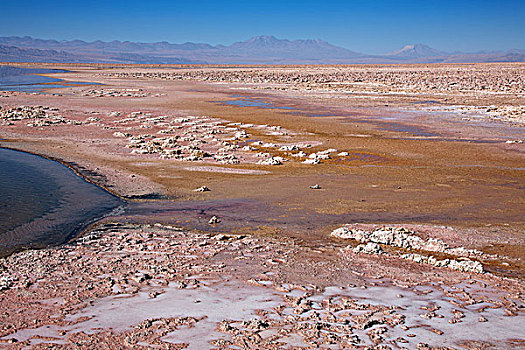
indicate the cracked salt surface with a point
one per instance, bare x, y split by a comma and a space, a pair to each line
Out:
497, 329
218, 301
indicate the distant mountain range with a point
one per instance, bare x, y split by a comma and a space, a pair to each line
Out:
257, 50
416, 51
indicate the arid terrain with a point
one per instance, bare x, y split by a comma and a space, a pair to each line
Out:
366, 206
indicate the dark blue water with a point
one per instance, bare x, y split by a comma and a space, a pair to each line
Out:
29, 80
42, 202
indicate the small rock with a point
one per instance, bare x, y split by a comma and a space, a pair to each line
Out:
141, 277
271, 161
312, 161
214, 220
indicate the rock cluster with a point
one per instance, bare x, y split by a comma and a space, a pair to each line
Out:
184, 138
402, 238
408, 240
465, 265
34, 116
272, 161
317, 157
446, 79
136, 93
192, 138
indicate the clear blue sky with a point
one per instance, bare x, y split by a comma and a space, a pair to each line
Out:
366, 26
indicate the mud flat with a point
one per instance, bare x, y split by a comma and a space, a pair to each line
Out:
279, 207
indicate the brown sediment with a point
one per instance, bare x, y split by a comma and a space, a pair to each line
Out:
414, 180
426, 171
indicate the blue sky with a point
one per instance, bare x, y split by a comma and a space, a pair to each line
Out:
365, 26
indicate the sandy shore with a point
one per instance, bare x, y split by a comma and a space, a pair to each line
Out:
284, 163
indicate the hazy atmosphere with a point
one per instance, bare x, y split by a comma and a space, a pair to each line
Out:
372, 27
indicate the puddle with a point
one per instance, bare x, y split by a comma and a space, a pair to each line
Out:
260, 102
249, 101
382, 123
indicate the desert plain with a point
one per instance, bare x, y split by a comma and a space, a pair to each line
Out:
366, 207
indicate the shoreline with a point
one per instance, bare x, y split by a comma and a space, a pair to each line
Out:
87, 227
67, 165
81, 227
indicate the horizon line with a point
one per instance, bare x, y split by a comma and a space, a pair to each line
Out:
454, 51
